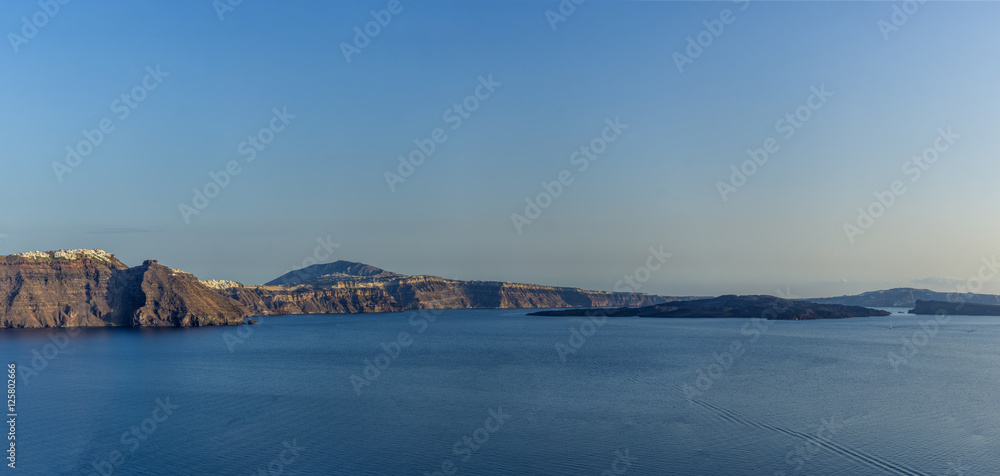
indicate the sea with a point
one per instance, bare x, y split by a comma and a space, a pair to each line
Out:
498, 392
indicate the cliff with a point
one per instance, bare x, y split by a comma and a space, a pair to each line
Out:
93, 288
768, 307
399, 293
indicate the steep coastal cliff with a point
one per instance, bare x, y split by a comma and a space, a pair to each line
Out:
420, 292
93, 288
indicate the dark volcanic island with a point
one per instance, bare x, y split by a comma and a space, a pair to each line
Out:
768, 307
960, 308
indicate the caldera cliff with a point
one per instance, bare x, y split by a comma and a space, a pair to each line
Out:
93, 288
347, 287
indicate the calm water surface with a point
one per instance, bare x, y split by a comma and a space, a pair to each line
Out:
488, 393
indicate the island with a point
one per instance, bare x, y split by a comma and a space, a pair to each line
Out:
904, 297
767, 307
954, 308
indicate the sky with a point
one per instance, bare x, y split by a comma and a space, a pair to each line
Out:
622, 122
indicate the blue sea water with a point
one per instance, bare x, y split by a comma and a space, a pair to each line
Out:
487, 392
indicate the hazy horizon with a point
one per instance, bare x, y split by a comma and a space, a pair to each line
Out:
663, 127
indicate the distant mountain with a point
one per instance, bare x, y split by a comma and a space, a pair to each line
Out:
932, 308
903, 297
768, 307
330, 273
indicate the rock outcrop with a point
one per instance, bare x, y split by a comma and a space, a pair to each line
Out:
93, 288
767, 307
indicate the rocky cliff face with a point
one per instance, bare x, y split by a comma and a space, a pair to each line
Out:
420, 292
93, 288
176, 298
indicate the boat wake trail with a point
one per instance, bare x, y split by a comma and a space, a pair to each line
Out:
836, 448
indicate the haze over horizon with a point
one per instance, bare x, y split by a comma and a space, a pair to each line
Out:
664, 133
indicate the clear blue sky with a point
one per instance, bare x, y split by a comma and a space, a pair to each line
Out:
323, 175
